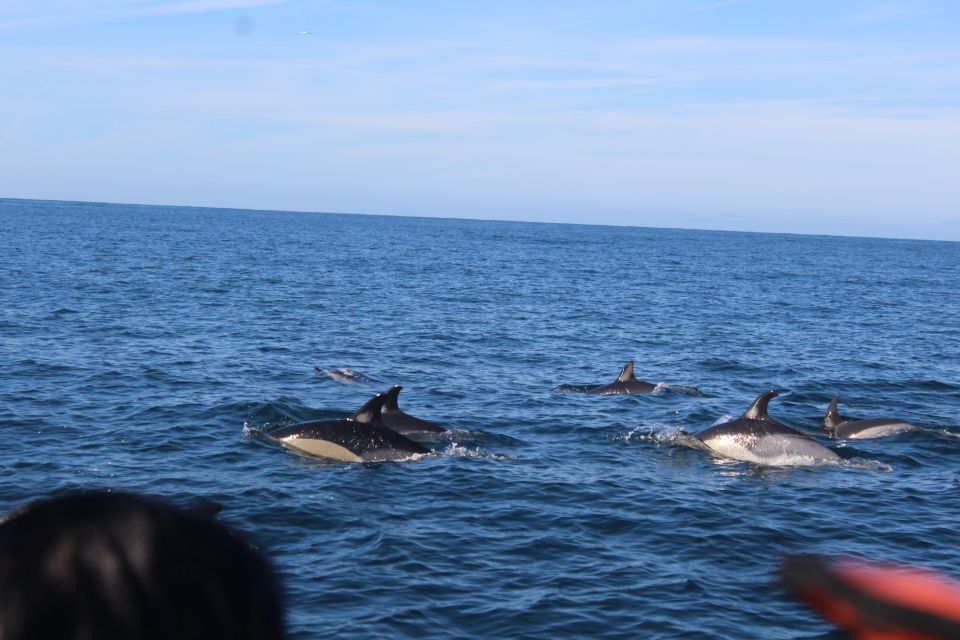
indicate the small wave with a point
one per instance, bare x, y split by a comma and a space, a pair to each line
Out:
344, 375
936, 385
864, 464
662, 434
679, 388
574, 388
455, 450
428, 437
255, 433
481, 438
63, 311
278, 412
266, 348
651, 433
947, 433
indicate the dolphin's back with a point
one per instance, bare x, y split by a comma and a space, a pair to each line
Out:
394, 418
348, 441
405, 423
763, 442
836, 426
624, 388
863, 429
749, 427
625, 384
784, 448
756, 437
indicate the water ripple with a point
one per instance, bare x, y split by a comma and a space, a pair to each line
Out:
153, 351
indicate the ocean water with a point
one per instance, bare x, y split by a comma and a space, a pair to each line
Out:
149, 348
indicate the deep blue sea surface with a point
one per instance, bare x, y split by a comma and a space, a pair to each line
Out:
148, 348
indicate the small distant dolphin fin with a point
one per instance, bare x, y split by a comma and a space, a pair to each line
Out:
370, 411
390, 399
832, 420
626, 374
758, 410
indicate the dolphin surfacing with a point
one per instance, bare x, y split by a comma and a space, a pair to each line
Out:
756, 437
625, 384
401, 422
363, 437
835, 426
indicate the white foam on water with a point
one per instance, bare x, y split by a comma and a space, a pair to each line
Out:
863, 464
455, 450
250, 432
678, 388
655, 432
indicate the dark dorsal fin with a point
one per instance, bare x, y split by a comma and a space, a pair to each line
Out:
832, 420
390, 402
758, 410
626, 374
370, 411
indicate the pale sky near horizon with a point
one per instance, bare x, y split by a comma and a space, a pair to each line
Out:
837, 117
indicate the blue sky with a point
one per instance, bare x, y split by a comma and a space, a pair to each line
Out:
838, 117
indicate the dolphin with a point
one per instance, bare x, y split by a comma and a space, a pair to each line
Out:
363, 437
837, 427
401, 422
625, 384
756, 437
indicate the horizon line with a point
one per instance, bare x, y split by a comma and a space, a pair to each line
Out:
470, 219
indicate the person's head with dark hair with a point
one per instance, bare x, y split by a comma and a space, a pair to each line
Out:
106, 566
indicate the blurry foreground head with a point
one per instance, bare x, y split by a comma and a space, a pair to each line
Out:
112, 565
875, 601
